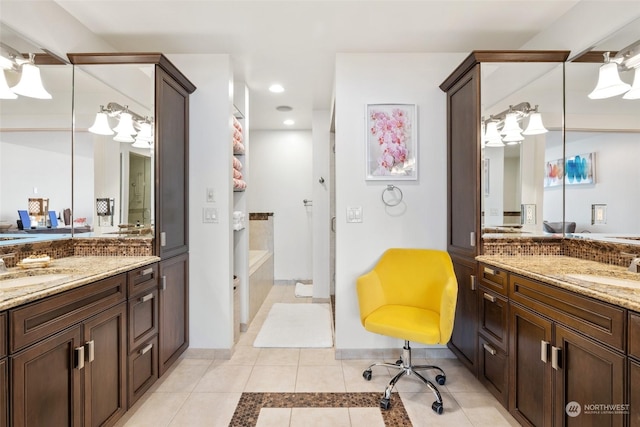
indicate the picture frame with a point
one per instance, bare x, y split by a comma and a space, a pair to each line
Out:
575, 170
391, 142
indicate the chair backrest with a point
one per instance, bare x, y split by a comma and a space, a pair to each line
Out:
422, 278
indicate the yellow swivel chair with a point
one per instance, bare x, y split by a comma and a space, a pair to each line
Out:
410, 294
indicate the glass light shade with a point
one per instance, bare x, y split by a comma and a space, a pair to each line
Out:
5, 92
125, 125
609, 83
535, 126
30, 83
511, 124
101, 125
634, 92
145, 133
491, 133
512, 138
123, 137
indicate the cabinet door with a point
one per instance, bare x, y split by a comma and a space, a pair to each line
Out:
172, 122
105, 367
143, 369
463, 124
45, 383
173, 310
529, 375
4, 392
493, 369
464, 339
587, 373
634, 393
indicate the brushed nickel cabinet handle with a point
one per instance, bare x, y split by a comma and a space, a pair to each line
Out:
146, 271
473, 283
488, 297
91, 350
490, 271
472, 238
555, 357
146, 298
79, 357
489, 349
163, 283
146, 349
544, 351
163, 238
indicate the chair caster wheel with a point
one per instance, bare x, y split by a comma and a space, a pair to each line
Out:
385, 403
367, 375
441, 379
437, 408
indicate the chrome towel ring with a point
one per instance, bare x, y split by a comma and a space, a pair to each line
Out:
391, 199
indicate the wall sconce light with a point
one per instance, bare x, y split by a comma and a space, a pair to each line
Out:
609, 83
126, 128
30, 83
504, 127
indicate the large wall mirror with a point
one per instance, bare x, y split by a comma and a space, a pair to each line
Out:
35, 143
603, 135
113, 148
64, 174
522, 109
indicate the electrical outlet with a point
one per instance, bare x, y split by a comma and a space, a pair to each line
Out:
598, 214
528, 214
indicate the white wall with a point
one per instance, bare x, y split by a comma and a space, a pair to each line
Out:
420, 221
211, 244
281, 176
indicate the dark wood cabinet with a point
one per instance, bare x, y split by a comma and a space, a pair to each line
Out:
173, 310
4, 372
464, 338
67, 358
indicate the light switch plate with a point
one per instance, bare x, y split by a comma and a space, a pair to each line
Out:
211, 195
354, 214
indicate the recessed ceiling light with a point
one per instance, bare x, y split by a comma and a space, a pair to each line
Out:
289, 122
284, 108
276, 88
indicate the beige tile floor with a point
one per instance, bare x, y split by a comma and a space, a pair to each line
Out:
205, 392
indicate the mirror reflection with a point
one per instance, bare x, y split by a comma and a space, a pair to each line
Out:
35, 141
113, 148
522, 120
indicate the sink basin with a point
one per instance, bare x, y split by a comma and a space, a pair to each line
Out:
18, 282
604, 280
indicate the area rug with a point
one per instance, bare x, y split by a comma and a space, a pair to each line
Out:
250, 404
303, 290
296, 325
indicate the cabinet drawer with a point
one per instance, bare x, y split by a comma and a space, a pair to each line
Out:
35, 321
494, 315
602, 321
143, 369
494, 279
634, 335
493, 369
142, 279
143, 317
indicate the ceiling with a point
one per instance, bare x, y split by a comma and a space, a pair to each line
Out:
295, 42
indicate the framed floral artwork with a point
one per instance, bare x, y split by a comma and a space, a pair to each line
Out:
392, 142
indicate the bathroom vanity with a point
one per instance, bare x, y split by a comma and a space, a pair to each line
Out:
79, 339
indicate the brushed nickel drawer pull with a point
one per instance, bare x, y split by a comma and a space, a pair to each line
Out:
146, 349
163, 283
490, 349
555, 357
146, 271
544, 351
146, 298
473, 283
91, 350
79, 357
490, 271
488, 297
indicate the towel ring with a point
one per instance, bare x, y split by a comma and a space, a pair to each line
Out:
392, 189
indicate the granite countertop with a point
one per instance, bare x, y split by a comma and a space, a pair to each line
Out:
557, 270
63, 274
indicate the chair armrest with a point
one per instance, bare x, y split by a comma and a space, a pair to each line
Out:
370, 294
448, 309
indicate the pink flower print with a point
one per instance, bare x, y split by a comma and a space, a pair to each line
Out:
391, 132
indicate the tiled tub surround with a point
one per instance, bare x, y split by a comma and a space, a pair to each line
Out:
76, 271
67, 247
260, 280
